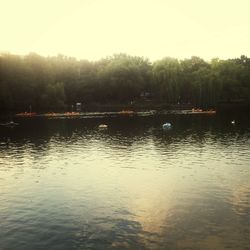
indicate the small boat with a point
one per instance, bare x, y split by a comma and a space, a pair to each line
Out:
126, 112
196, 110
51, 114
233, 122
26, 114
9, 124
103, 126
200, 111
71, 113
166, 125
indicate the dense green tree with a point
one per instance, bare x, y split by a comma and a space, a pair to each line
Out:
167, 77
123, 78
51, 83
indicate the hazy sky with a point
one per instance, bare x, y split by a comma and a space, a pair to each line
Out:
92, 29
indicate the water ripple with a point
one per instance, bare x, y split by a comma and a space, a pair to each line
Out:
132, 186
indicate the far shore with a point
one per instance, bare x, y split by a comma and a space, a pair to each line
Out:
129, 109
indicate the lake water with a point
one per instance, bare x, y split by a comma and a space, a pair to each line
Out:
65, 184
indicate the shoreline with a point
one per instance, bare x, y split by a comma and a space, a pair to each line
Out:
130, 110
123, 113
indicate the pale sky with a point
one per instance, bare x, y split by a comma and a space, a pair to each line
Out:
93, 29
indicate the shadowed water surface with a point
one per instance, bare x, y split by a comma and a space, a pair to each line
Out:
65, 184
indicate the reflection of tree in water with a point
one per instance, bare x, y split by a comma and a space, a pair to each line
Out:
115, 233
124, 135
209, 221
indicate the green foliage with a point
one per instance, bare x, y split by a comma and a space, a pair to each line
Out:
56, 82
166, 74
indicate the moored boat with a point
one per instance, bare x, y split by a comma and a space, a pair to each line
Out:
9, 124
26, 114
201, 111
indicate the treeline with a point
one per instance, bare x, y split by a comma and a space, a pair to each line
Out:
53, 83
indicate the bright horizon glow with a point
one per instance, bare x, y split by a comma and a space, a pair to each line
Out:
93, 29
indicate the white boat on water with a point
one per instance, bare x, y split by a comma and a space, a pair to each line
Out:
9, 124
167, 125
103, 126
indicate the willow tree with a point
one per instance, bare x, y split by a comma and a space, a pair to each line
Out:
123, 77
167, 75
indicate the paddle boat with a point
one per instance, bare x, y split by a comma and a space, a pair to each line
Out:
26, 114
103, 126
167, 125
200, 111
127, 112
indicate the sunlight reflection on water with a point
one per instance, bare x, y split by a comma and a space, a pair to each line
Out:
133, 186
